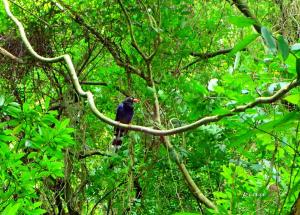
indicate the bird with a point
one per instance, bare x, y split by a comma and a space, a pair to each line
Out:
124, 115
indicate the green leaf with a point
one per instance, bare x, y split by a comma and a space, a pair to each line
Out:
11, 209
6, 139
36, 204
13, 111
64, 123
2, 100
14, 104
238, 139
298, 67
283, 47
241, 21
294, 99
270, 41
283, 122
38, 211
244, 43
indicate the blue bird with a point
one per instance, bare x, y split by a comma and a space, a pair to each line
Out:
124, 115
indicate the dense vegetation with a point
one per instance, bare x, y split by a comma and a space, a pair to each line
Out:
230, 66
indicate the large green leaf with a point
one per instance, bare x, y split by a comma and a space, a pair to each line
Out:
294, 99
243, 44
298, 67
269, 40
283, 47
241, 21
11, 209
283, 122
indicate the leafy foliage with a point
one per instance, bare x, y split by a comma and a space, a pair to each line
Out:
32, 144
55, 154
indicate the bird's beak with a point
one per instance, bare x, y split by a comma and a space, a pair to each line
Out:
136, 100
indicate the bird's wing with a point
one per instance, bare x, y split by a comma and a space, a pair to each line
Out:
119, 113
129, 116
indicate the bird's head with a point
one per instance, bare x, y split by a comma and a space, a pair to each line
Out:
130, 100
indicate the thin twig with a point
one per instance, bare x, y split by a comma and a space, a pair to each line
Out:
93, 153
133, 40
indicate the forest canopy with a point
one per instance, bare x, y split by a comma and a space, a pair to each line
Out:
201, 99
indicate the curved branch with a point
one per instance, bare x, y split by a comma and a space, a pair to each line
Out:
176, 156
102, 117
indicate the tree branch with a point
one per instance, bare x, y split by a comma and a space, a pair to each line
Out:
32, 14
295, 210
102, 117
193, 187
211, 54
11, 56
93, 83
187, 177
133, 40
204, 56
243, 7
93, 153
105, 195
107, 42
104, 84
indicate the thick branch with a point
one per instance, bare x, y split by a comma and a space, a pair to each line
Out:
296, 207
102, 117
11, 56
187, 177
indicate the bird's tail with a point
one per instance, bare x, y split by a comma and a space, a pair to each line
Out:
117, 141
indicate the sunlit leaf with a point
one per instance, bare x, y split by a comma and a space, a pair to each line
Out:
269, 40
294, 99
243, 44
12, 209
241, 21
283, 121
283, 47
2, 100
298, 67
